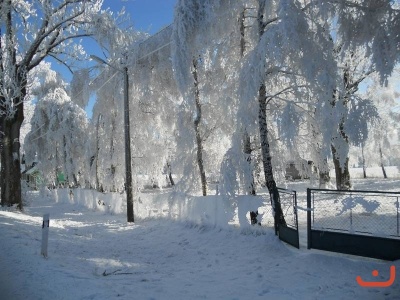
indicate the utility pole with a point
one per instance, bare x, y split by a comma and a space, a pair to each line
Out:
128, 157
128, 163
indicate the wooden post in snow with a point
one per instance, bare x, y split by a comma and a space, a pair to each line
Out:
45, 234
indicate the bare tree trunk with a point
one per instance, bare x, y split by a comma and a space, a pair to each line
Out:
324, 177
199, 140
266, 156
323, 167
250, 188
112, 167
363, 162
262, 123
382, 165
11, 192
171, 180
2, 174
57, 168
97, 152
74, 177
66, 173
11, 181
242, 28
2, 118
342, 172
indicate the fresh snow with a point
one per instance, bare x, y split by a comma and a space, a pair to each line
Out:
96, 254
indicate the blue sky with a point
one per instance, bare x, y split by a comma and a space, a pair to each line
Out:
146, 15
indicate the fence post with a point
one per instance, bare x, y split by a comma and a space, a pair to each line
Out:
295, 212
45, 234
397, 205
308, 218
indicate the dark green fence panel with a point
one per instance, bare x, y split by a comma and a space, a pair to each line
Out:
289, 233
364, 223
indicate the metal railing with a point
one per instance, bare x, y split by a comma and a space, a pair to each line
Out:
363, 212
288, 199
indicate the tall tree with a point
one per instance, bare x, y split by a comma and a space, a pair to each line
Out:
155, 100
200, 31
32, 31
383, 139
247, 150
275, 70
196, 122
366, 42
59, 128
264, 138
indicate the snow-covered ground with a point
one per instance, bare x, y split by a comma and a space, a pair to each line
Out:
94, 254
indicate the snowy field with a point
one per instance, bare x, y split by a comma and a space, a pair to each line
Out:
95, 254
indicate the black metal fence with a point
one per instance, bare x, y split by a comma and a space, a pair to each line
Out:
365, 223
290, 232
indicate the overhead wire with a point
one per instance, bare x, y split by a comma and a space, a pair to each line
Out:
108, 80
65, 120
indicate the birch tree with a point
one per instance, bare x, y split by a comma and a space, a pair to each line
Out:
289, 58
365, 43
385, 132
205, 56
189, 18
155, 100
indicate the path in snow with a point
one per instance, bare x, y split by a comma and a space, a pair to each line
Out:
161, 259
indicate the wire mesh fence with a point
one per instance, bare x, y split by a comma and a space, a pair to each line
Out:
288, 200
362, 212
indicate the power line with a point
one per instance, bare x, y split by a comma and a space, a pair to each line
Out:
108, 80
76, 95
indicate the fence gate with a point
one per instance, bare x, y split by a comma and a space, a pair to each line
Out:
290, 232
364, 223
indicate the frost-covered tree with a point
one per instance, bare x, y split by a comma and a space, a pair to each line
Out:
107, 140
364, 43
288, 59
189, 17
30, 32
58, 130
26, 125
291, 68
382, 145
357, 44
155, 99
353, 112
106, 146
206, 59
373, 25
